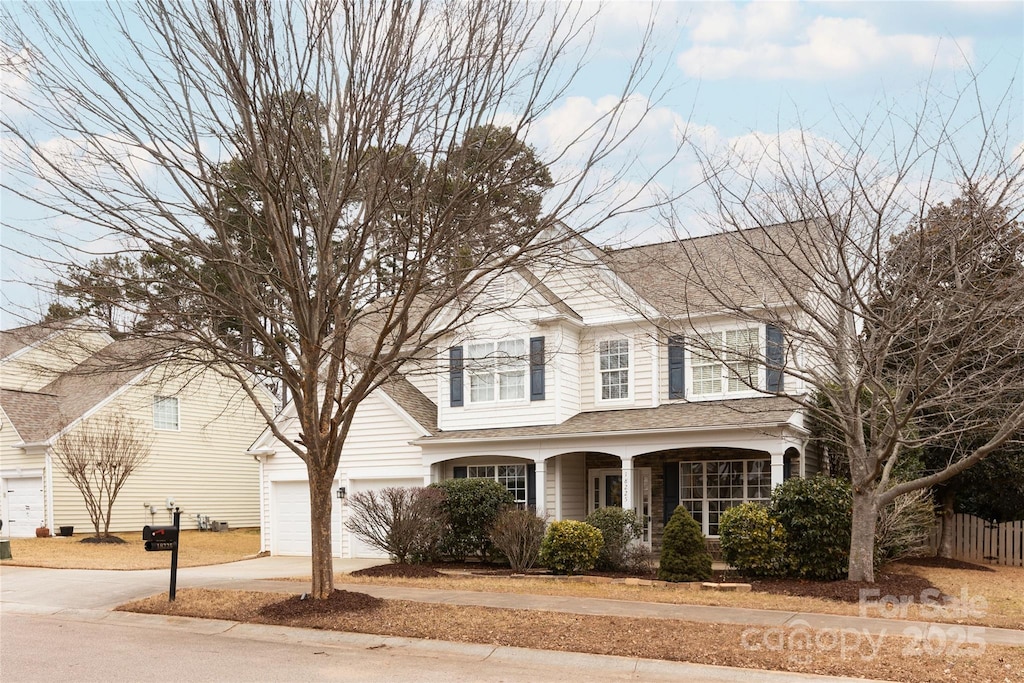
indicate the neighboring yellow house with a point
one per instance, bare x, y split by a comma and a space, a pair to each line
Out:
55, 379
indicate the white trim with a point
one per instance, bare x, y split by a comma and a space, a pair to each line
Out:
48, 491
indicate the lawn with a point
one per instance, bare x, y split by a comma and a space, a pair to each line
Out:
999, 587
892, 656
195, 548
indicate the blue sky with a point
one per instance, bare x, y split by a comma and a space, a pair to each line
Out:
736, 69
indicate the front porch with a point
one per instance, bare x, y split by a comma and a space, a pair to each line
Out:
566, 475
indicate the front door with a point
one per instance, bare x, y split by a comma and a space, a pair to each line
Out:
606, 491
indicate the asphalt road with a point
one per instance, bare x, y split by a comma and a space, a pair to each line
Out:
48, 648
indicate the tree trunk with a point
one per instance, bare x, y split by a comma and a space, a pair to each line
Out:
946, 539
320, 520
862, 538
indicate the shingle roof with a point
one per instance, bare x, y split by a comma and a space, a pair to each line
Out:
12, 341
743, 268
744, 412
39, 415
412, 401
33, 414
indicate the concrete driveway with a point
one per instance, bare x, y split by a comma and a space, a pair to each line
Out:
45, 591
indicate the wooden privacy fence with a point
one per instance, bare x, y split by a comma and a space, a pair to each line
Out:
975, 540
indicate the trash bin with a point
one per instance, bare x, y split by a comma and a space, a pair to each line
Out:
5, 550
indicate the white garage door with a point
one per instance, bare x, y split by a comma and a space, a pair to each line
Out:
290, 532
24, 506
359, 548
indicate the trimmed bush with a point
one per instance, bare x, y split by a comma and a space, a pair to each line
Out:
472, 506
684, 556
517, 534
406, 523
619, 528
904, 527
817, 516
570, 547
753, 541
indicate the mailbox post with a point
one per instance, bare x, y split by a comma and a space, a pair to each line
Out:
162, 538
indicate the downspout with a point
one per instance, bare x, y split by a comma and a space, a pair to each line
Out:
49, 490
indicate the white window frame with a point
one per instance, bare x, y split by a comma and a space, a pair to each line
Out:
726, 382
703, 514
159, 419
477, 366
503, 477
599, 373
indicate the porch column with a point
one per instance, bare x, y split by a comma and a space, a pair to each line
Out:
627, 483
540, 488
429, 472
778, 467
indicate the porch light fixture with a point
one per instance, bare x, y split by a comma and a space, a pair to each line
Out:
341, 493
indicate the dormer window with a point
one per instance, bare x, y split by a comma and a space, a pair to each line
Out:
496, 370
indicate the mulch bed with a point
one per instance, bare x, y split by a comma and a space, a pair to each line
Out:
887, 582
945, 563
399, 571
300, 606
102, 539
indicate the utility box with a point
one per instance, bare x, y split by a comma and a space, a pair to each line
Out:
219, 526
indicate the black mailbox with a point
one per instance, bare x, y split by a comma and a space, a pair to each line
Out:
160, 537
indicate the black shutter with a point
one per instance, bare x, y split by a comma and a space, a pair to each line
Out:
531, 486
459, 472
537, 368
671, 489
775, 359
676, 371
455, 376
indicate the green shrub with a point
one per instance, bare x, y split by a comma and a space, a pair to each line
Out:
471, 506
684, 556
619, 528
816, 514
570, 547
753, 541
517, 534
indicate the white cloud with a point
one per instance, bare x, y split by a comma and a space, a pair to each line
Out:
772, 40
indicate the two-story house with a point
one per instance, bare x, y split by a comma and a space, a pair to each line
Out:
586, 389
58, 379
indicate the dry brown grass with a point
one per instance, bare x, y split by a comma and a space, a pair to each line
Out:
1001, 590
895, 658
195, 548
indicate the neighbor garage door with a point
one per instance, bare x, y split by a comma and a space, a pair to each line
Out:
24, 506
360, 549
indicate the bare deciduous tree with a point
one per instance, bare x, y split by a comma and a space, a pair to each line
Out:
334, 111
888, 335
98, 456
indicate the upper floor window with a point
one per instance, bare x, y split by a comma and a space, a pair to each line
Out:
165, 412
613, 355
729, 363
497, 370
